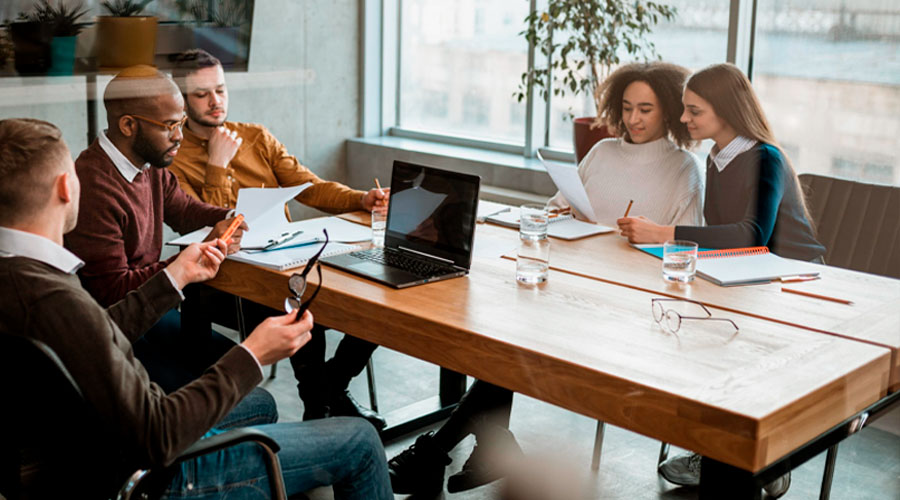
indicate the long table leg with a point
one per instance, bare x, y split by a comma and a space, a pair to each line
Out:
434, 409
719, 480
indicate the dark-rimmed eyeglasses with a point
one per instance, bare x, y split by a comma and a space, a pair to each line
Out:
297, 284
168, 126
673, 318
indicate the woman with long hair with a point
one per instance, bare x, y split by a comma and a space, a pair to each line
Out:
647, 161
753, 196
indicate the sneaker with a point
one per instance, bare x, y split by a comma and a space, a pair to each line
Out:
683, 470
488, 460
419, 469
778, 487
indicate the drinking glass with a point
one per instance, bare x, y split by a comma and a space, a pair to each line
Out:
679, 261
379, 224
533, 255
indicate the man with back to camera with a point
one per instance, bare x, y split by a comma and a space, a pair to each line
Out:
139, 425
219, 157
128, 194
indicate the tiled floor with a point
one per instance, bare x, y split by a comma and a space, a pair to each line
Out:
559, 444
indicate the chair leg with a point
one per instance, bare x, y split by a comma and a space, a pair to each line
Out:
663, 453
370, 377
598, 445
830, 459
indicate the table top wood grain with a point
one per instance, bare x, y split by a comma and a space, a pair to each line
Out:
593, 347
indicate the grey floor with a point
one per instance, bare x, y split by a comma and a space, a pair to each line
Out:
558, 444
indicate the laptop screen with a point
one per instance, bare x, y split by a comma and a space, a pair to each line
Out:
433, 211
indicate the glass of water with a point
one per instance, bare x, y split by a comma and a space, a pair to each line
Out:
533, 256
379, 224
679, 261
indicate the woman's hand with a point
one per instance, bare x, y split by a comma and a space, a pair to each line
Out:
642, 230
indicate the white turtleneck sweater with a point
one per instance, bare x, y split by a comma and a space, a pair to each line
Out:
663, 180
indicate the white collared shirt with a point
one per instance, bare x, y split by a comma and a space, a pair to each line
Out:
123, 164
15, 243
738, 145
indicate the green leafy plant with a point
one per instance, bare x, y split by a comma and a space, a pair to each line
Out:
220, 13
64, 18
583, 39
125, 8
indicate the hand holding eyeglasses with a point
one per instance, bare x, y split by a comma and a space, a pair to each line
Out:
279, 337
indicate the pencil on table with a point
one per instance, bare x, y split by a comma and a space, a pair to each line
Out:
817, 296
630, 202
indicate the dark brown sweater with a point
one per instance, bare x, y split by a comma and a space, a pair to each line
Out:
148, 426
119, 232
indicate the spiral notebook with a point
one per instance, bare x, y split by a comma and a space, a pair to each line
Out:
565, 227
289, 258
742, 266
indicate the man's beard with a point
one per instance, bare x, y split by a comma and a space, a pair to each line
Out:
206, 121
148, 153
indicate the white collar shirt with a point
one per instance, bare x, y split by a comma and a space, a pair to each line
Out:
738, 145
123, 164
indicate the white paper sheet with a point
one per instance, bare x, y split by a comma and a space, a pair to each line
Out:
263, 210
568, 182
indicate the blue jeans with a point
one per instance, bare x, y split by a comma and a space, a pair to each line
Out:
343, 452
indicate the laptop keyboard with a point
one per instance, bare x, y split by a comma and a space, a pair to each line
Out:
393, 258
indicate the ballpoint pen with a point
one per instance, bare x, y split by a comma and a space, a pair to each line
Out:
284, 238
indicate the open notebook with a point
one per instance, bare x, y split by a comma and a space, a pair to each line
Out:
564, 227
742, 266
289, 258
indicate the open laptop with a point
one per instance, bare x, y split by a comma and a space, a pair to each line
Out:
430, 229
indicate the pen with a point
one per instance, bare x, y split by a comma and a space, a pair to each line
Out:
817, 296
232, 228
378, 185
628, 209
284, 238
797, 279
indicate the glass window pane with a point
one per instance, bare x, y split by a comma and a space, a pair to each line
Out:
828, 76
460, 63
697, 37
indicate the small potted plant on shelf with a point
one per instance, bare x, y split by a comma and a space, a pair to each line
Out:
583, 41
64, 20
125, 37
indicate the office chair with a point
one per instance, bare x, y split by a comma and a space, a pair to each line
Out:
857, 223
53, 441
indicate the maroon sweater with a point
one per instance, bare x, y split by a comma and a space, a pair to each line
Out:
119, 231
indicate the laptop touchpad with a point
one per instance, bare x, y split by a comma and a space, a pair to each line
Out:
370, 268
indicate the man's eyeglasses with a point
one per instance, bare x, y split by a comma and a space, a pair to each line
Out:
297, 284
673, 319
168, 126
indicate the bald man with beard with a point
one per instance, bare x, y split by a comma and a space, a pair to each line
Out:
127, 194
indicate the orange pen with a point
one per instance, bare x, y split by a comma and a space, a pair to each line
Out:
232, 228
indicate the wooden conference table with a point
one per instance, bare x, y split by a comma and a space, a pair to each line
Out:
586, 340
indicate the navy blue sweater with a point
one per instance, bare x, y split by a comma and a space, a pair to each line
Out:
755, 201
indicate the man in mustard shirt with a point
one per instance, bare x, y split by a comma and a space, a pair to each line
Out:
216, 159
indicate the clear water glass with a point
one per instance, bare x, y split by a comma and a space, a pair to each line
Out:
679, 261
379, 224
533, 255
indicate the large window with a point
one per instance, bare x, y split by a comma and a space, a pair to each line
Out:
460, 63
828, 75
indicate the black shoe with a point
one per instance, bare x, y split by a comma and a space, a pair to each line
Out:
419, 469
488, 461
344, 405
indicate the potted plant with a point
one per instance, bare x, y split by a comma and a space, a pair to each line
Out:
125, 37
583, 40
65, 29
222, 27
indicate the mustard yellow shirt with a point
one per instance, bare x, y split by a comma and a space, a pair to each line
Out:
260, 161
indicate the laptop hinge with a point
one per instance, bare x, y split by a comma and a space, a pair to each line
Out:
423, 254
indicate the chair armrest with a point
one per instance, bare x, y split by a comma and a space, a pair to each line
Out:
226, 439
